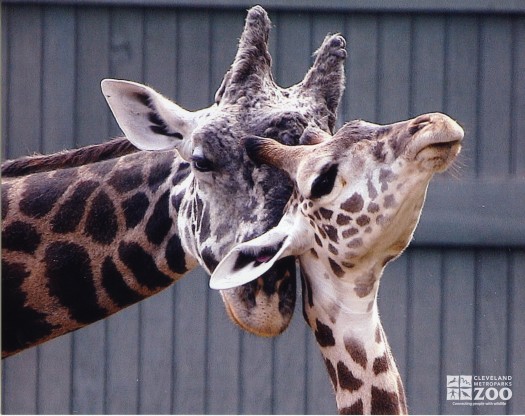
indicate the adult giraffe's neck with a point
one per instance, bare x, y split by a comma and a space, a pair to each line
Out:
346, 324
82, 243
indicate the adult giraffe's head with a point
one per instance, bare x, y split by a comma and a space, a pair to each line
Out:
229, 199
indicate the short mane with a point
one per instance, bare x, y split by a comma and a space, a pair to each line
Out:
68, 158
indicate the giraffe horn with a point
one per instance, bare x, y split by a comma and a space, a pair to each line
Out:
252, 65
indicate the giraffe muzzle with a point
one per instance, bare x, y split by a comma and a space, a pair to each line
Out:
436, 138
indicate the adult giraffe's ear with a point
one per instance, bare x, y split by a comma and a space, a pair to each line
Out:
149, 120
251, 259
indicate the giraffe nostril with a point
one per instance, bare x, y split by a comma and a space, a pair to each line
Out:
419, 123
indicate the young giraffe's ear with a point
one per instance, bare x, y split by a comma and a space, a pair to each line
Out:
149, 120
271, 152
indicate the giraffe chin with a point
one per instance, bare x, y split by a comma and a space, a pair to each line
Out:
265, 306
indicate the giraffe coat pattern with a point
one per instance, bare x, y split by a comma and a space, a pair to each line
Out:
92, 230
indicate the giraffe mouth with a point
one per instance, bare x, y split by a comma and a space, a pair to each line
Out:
444, 148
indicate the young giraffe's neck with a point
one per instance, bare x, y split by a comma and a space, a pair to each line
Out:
346, 324
82, 243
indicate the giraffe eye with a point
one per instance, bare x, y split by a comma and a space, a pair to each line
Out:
324, 183
200, 162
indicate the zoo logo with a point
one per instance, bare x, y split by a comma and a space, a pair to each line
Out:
462, 387
459, 387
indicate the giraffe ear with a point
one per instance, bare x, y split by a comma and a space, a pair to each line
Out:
149, 120
251, 259
271, 152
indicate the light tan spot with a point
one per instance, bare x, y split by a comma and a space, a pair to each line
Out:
356, 242
390, 201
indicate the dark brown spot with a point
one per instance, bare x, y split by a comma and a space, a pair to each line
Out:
314, 253
176, 200
71, 211
324, 335
134, 209
363, 220
182, 173
332, 249
326, 213
22, 326
331, 231
101, 221
378, 153
307, 286
355, 409
318, 240
343, 219
161, 170
348, 265
143, 266
373, 208
41, 194
20, 236
70, 279
331, 372
115, 285
353, 204
321, 231
347, 380
339, 272
357, 351
349, 233
384, 402
126, 179
175, 255
380, 364
160, 222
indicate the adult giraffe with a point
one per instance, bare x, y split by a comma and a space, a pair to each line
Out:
88, 232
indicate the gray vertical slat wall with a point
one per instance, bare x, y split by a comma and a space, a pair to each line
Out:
452, 304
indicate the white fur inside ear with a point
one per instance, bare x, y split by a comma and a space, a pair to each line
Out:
250, 260
149, 120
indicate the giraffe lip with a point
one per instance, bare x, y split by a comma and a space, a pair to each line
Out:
440, 147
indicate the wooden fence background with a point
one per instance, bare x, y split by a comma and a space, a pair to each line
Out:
452, 304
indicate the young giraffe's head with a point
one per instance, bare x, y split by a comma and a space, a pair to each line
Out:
229, 199
356, 202
357, 198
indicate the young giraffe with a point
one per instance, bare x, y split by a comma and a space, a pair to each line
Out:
355, 206
88, 232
